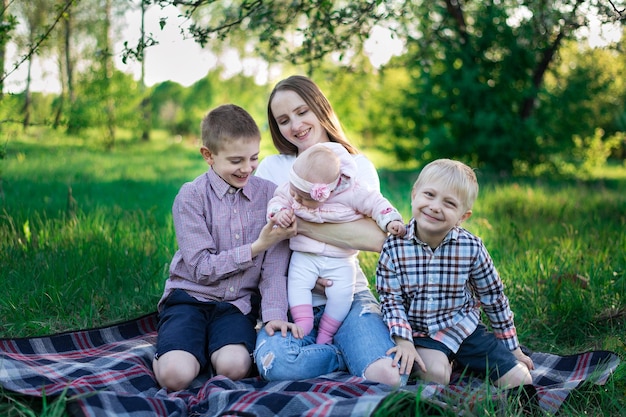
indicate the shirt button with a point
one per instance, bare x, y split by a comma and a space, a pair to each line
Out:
235, 211
232, 289
237, 236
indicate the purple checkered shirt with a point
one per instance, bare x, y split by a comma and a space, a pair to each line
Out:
439, 293
215, 227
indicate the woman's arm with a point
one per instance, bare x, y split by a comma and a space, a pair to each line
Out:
363, 234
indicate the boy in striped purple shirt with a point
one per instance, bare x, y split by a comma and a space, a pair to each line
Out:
434, 280
231, 265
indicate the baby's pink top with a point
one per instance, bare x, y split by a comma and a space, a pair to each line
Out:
348, 202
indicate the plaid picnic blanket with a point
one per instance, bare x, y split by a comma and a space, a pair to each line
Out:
107, 371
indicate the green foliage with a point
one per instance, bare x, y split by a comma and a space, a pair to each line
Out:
8, 25
467, 88
180, 110
582, 94
323, 26
17, 406
476, 71
167, 106
593, 152
92, 93
91, 230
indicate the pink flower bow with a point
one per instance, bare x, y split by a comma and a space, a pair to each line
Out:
320, 192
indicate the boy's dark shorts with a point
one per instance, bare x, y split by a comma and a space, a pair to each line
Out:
481, 352
201, 328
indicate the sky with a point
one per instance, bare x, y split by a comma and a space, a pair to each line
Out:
184, 61
174, 58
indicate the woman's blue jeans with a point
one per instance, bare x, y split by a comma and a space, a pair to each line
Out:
361, 339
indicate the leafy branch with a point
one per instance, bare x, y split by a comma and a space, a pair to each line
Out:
34, 47
323, 26
620, 13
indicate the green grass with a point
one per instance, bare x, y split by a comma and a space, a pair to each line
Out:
101, 254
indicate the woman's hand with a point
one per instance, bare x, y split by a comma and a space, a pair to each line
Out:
321, 284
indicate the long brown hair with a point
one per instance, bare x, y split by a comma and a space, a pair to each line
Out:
318, 103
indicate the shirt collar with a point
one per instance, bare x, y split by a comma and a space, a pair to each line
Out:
411, 233
222, 188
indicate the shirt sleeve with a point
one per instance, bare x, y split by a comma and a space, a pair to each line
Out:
389, 289
273, 282
281, 200
373, 204
205, 265
490, 291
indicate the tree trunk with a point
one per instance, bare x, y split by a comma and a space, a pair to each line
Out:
3, 48
528, 105
27, 96
108, 76
145, 101
67, 76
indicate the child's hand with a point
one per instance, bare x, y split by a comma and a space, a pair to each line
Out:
396, 228
283, 218
526, 360
283, 326
405, 356
270, 235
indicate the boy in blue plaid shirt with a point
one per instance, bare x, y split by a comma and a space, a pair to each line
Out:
433, 281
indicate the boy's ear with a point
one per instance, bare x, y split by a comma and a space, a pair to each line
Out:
465, 216
207, 155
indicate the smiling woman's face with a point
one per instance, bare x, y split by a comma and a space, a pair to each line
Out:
296, 121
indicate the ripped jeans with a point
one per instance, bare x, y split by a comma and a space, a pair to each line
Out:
361, 339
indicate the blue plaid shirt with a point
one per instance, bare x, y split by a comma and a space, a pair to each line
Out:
438, 293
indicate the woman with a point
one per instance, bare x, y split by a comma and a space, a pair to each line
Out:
300, 116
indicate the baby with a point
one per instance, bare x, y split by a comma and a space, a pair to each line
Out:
323, 188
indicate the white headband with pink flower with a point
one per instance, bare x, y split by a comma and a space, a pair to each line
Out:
318, 191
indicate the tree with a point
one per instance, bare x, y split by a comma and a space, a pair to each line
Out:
8, 24
476, 68
300, 32
106, 61
66, 66
34, 15
584, 92
145, 101
168, 99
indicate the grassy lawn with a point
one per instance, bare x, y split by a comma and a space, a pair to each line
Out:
86, 238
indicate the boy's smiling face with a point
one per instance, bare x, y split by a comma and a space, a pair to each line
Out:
437, 209
236, 162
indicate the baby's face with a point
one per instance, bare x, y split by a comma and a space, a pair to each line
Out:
303, 198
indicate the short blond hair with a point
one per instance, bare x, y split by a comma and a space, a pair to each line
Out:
452, 174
